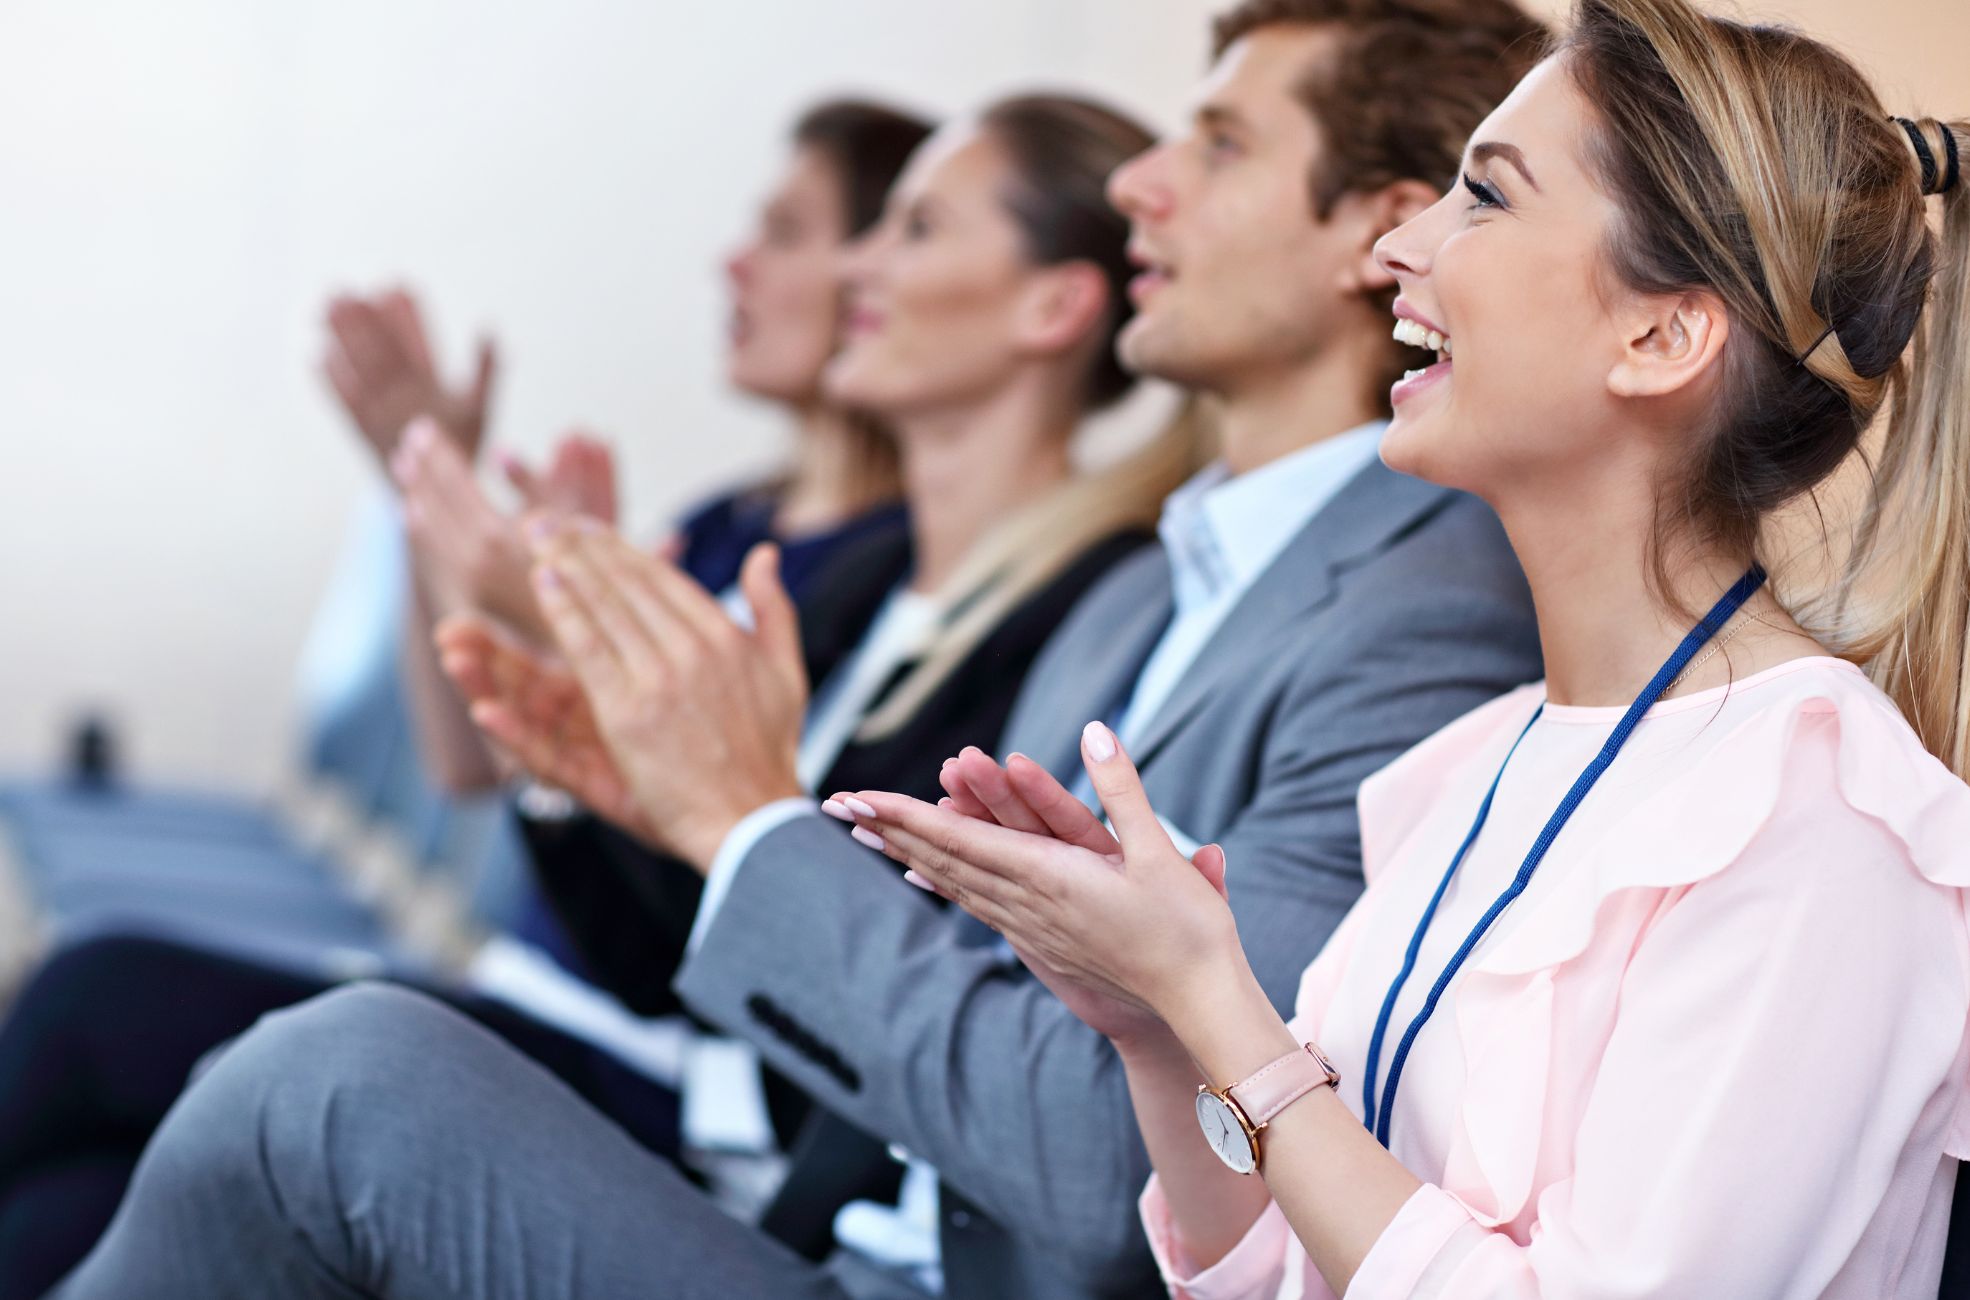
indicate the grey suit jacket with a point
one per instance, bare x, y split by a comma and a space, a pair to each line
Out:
1397, 609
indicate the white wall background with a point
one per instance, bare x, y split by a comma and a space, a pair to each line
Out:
182, 185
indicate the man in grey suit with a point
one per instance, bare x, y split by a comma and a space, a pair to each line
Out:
1310, 616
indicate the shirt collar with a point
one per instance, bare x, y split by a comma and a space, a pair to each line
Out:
1222, 530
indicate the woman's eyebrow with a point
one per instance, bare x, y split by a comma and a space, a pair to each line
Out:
1486, 150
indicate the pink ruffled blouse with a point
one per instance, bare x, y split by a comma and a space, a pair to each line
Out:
1717, 1048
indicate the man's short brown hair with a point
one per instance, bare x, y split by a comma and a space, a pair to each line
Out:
1405, 87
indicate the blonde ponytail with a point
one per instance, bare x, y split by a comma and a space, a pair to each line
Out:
1905, 592
1758, 163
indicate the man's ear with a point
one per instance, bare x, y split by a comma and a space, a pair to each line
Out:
1060, 306
1670, 343
1372, 216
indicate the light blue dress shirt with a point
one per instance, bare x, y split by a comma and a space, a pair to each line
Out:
1221, 532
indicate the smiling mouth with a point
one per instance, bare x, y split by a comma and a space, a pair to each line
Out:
1418, 335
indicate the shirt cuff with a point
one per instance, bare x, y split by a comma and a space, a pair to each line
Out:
1421, 1247
1255, 1267
738, 843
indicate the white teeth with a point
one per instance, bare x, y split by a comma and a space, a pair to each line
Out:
1417, 335
1408, 375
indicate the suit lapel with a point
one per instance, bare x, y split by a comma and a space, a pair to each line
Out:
1130, 623
1377, 506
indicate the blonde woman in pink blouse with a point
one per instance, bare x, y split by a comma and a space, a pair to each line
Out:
1661, 982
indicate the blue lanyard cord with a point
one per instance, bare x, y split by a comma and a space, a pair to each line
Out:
1373, 1070
1378, 1118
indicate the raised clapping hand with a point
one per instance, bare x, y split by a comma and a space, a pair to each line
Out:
1124, 928
472, 555
699, 717
533, 708
580, 479
379, 364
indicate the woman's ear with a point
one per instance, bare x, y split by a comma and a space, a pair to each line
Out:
1376, 215
1060, 307
1671, 342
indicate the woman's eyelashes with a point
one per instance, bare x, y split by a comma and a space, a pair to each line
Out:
1486, 196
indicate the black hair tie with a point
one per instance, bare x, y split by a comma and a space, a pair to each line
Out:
1927, 159
1813, 347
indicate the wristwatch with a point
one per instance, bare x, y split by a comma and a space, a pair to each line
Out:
1233, 1116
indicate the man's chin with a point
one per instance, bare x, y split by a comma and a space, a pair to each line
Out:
1152, 349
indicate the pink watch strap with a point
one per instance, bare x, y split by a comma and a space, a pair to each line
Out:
1279, 1085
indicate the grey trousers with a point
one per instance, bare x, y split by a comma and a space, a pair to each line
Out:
373, 1143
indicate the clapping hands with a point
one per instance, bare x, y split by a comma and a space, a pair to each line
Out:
668, 717
380, 365
472, 555
1115, 923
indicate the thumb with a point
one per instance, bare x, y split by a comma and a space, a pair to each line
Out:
399, 311
1120, 788
604, 506
1209, 862
482, 378
523, 478
776, 624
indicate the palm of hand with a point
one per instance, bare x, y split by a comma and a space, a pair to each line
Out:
582, 479
739, 713
1089, 961
538, 712
381, 366
392, 400
1110, 1014
549, 703
702, 716
1097, 936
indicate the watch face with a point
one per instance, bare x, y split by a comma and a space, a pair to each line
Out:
1225, 1134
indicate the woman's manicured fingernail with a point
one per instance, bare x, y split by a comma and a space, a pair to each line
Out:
1099, 740
541, 527
868, 837
547, 578
857, 807
836, 811
1014, 754
919, 882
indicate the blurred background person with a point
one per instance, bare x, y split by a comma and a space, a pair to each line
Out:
783, 326
62, 1170
984, 311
